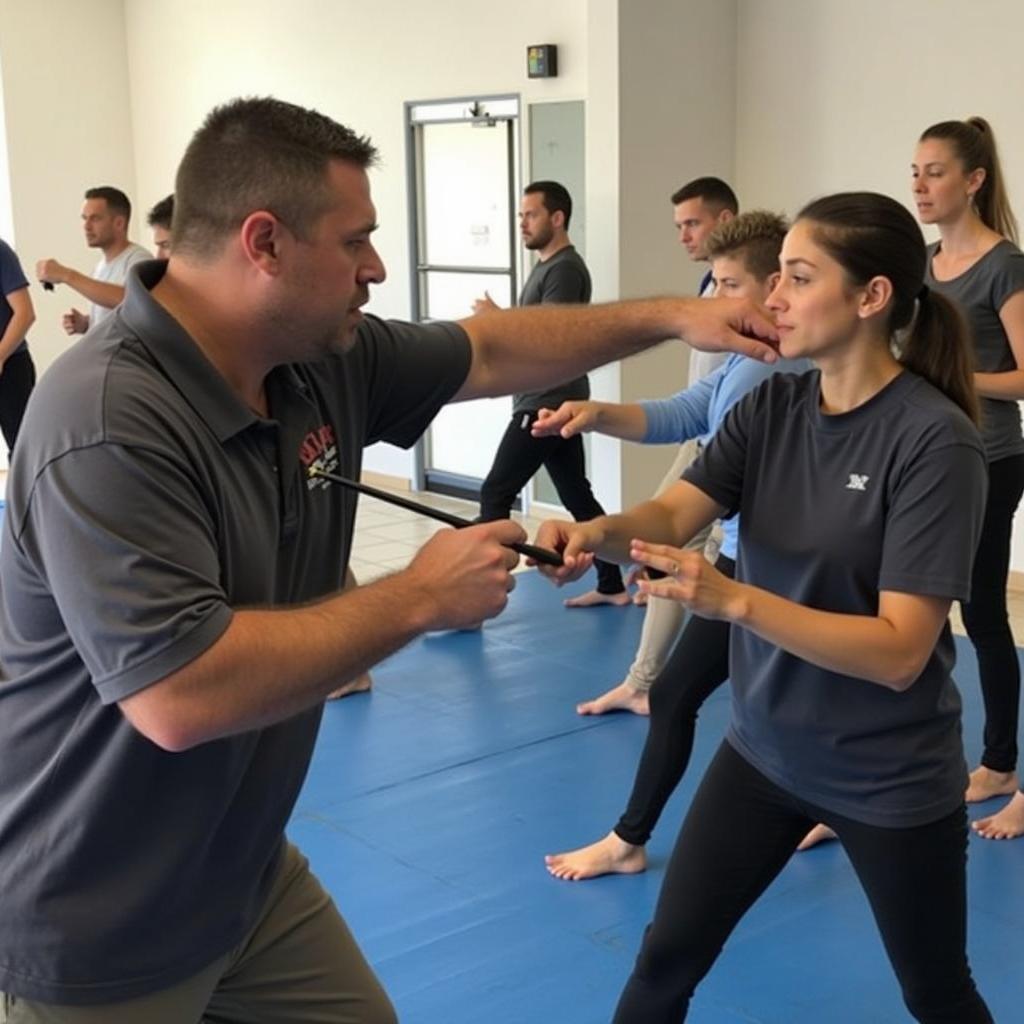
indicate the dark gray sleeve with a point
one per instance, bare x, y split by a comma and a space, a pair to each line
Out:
720, 470
130, 557
564, 282
1007, 278
934, 523
412, 369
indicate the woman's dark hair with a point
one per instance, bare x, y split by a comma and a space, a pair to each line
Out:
870, 235
974, 145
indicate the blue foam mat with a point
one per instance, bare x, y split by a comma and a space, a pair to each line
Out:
431, 802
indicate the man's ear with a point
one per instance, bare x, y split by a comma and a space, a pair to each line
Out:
261, 235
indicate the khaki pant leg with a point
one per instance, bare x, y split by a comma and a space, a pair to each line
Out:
664, 619
299, 965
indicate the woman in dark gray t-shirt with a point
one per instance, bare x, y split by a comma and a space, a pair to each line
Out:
861, 487
958, 186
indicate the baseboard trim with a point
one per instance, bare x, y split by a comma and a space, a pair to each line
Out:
386, 481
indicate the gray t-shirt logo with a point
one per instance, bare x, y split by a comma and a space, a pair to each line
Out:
858, 482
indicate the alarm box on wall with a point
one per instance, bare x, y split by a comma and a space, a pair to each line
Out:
542, 61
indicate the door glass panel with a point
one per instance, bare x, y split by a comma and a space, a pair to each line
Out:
450, 295
465, 195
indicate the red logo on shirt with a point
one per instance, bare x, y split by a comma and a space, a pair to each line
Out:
319, 450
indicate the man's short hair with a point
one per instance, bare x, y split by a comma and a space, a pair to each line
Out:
117, 201
755, 237
555, 197
258, 153
715, 193
162, 213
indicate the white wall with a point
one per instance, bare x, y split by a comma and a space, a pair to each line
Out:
833, 95
67, 113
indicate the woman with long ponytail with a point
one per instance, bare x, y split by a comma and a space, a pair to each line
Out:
958, 186
861, 488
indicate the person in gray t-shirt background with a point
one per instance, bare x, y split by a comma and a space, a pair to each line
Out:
862, 489
106, 214
559, 276
959, 186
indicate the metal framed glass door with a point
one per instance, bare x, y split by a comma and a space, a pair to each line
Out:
463, 189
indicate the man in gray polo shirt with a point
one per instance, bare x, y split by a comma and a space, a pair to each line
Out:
170, 615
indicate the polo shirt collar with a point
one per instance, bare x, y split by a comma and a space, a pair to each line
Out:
180, 358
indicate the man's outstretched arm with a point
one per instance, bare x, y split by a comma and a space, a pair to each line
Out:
536, 346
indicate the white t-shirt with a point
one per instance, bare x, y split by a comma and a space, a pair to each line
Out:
703, 364
115, 272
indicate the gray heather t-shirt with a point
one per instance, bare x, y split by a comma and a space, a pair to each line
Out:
146, 502
115, 272
562, 278
835, 509
981, 292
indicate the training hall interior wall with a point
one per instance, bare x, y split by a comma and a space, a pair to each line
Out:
787, 98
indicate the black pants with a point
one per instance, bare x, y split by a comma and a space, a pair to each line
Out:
738, 835
698, 665
519, 456
16, 384
986, 620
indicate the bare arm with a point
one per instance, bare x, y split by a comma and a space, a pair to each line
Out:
673, 517
1009, 385
890, 648
626, 421
99, 292
270, 665
536, 346
23, 315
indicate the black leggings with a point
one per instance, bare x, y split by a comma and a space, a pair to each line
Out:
698, 665
986, 620
519, 456
16, 384
738, 835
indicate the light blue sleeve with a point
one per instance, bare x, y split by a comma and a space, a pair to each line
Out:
744, 375
683, 415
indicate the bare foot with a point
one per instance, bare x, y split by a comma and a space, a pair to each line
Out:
360, 684
1006, 824
594, 597
818, 834
608, 856
985, 784
623, 697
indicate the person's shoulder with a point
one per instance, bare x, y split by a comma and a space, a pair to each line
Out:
73, 400
135, 253
789, 385
930, 414
373, 329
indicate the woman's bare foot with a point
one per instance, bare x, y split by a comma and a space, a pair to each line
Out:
985, 784
1006, 824
360, 684
624, 697
608, 856
818, 834
593, 598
